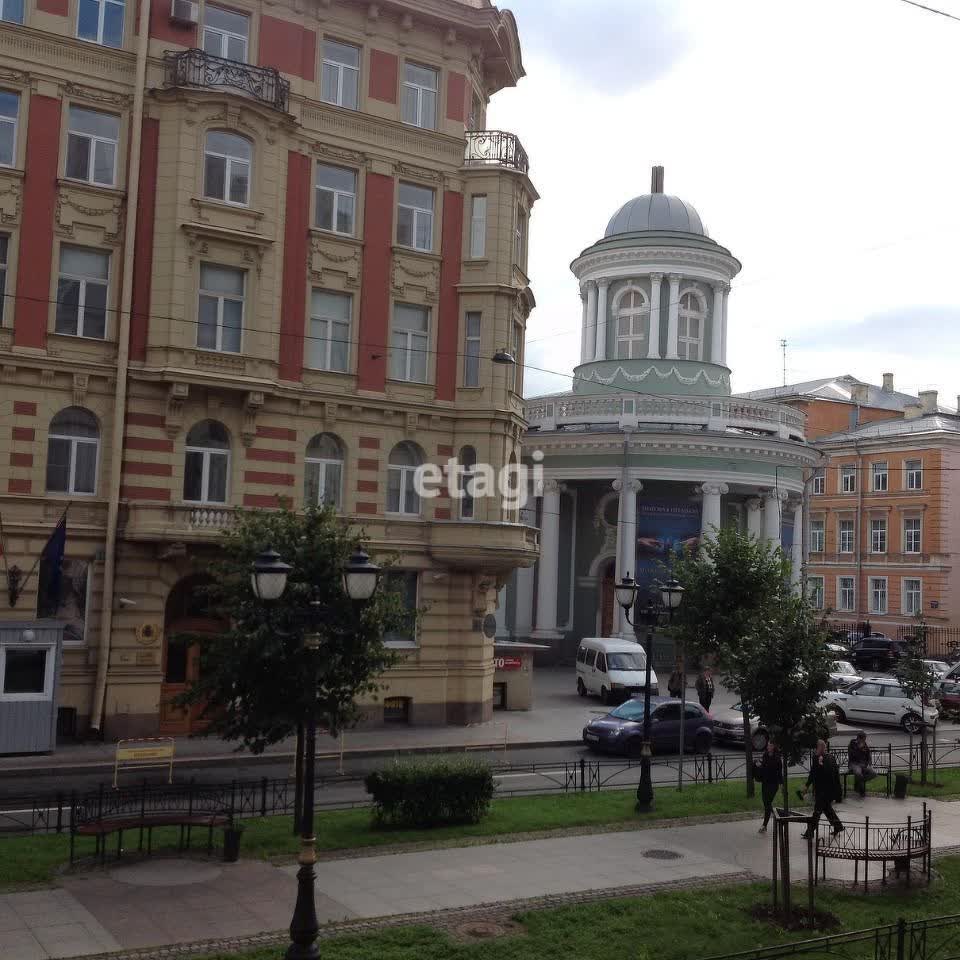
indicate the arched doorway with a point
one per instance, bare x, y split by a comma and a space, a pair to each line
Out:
186, 612
607, 599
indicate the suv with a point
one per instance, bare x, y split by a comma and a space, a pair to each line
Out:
877, 653
879, 701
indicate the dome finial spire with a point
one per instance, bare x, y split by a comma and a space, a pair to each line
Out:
656, 180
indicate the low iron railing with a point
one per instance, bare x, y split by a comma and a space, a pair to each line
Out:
495, 148
197, 68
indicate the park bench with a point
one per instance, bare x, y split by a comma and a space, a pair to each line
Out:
866, 843
145, 808
880, 764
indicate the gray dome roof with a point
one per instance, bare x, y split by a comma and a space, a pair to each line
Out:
656, 211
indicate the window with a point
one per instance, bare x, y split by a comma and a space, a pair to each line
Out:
9, 113
73, 442
819, 480
478, 226
468, 460
581, 655
633, 321
848, 479
101, 21
402, 496
845, 536
336, 199
870, 690
339, 74
92, 146
82, 292
329, 345
225, 33
591, 658
476, 118
409, 342
878, 595
323, 475
226, 167
914, 470
815, 592
817, 536
405, 583
880, 477
220, 322
878, 536
207, 464
520, 239
27, 673
846, 596
4, 243
11, 11
690, 336
415, 217
912, 527
471, 350
912, 597
419, 96
602, 662
515, 370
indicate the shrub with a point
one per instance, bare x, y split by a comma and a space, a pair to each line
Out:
430, 791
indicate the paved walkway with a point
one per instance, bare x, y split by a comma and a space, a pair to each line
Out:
160, 902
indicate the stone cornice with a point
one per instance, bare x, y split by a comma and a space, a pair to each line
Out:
657, 259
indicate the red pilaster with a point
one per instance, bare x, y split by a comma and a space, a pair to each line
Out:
162, 28
449, 309
288, 47
456, 96
375, 291
36, 236
143, 241
293, 298
384, 72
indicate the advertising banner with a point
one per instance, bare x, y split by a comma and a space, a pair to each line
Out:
666, 528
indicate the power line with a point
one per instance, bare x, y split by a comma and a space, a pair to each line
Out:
923, 6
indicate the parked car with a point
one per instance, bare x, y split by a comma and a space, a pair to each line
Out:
621, 730
614, 669
728, 727
878, 653
939, 667
843, 673
880, 701
948, 699
839, 649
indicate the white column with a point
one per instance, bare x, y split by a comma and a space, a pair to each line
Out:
500, 615
590, 336
626, 547
602, 287
716, 332
723, 335
523, 598
549, 566
772, 501
711, 517
584, 339
653, 352
673, 317
754, 518
796, 554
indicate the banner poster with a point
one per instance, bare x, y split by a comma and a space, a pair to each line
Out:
665, 528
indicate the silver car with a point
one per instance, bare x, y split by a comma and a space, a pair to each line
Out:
728, 727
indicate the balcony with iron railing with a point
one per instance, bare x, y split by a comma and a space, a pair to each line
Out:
197, 68
495, 148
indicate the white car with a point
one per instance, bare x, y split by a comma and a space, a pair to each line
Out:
879, 701
844, 673
939, 667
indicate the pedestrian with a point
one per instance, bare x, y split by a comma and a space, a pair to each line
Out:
705, 688
825, 779
677, 681
769, 771
860, 763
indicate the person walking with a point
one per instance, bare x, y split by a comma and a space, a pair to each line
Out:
677, 680
769, 771
705, 688
860, 763
825, 779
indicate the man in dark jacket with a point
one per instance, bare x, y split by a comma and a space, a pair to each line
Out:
860, 763
704, 687
769, 771
676, 682
825, 779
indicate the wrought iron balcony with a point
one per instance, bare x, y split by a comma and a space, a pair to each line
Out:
495, 148
196, 68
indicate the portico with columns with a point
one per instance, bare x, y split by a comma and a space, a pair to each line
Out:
648, 428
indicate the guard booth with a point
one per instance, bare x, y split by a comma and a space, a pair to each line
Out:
30, 655
513, 674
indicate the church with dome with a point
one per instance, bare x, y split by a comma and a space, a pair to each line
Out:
648, 451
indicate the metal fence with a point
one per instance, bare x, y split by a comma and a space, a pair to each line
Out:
940, 643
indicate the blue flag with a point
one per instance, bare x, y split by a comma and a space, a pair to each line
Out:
51, 569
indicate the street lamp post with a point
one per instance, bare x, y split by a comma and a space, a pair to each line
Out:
269, 580
628, 597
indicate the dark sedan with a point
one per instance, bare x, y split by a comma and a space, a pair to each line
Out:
621, 730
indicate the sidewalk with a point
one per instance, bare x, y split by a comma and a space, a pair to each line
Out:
162, 902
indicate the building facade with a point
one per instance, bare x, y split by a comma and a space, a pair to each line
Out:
648, 451
252, 252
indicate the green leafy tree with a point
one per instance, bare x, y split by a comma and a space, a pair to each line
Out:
918, 681
251, 679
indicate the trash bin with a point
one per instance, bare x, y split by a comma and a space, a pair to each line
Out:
900, 786
231, 842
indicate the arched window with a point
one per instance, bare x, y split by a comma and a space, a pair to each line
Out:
690, 333
633, 322
402, 496
73, 445
207, 464
468, 460
226, 167
324, 471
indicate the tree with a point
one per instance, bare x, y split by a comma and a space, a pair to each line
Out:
919, 682
251, 673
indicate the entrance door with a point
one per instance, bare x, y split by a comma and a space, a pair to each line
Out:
607, 600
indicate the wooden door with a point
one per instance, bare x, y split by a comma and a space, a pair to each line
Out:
607, 600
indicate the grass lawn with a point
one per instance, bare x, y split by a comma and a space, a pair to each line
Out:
947, 786
31, 860
685, 925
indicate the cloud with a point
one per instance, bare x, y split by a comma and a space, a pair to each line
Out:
899, 329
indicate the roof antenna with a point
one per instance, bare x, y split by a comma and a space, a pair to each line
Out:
783, 347
656, 180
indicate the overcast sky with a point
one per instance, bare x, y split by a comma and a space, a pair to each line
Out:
817, 140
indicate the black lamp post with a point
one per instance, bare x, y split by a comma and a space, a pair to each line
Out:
628, 598
269, 579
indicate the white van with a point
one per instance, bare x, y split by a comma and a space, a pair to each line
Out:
613, 668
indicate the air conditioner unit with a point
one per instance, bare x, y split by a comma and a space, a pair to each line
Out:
184, 11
